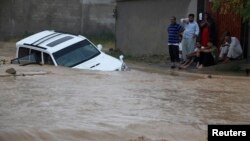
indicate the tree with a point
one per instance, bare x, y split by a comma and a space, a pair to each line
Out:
241, 7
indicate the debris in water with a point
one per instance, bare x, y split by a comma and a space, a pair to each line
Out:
209, 76
11, 71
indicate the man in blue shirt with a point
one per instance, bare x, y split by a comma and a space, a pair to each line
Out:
174, 31
190, 34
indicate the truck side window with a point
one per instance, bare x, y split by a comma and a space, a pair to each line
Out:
47, 59
23, 52
37, 55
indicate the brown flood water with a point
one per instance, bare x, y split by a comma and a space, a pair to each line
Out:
76, 105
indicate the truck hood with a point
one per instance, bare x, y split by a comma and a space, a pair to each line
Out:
101, 62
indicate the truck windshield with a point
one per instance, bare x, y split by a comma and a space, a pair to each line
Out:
76, 54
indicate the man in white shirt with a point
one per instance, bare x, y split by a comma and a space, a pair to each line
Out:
190, 34
231, 50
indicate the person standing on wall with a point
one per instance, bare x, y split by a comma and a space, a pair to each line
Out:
174, 31
208, 30
190, 34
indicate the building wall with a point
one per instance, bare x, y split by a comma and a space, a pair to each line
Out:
141, 25
224, 22
248, 48
232, 23
20, 17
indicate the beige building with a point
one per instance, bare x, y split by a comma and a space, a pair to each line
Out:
21, 17
141, 24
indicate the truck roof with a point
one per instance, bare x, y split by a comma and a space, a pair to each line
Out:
51, 41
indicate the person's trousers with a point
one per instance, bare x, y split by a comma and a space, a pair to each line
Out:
188, 46
206, 59
174, 53
223, 51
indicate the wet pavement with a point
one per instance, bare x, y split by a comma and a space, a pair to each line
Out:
144, 104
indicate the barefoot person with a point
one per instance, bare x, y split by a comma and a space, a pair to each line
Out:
206, 57
202, 56
231, 49
192, 57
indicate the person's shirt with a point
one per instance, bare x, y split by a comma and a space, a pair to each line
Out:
196, 49
173, 34
235, 49
214, 52
191, 29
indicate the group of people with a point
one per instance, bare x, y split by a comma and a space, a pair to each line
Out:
198, 43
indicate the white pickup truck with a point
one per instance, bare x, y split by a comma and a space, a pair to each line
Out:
63, 49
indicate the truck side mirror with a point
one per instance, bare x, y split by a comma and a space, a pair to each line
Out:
99, 47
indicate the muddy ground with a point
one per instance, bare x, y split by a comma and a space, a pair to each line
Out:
143, 104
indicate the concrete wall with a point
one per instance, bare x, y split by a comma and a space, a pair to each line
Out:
97, 1
248, 48
20, 17
141, 25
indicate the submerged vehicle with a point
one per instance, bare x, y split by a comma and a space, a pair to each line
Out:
64, 49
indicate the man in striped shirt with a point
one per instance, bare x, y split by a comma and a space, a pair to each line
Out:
174, 31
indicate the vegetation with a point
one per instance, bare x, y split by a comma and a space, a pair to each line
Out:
241, 7
102, 38
106, 39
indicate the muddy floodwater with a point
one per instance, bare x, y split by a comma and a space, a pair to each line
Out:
59, 104
44, 103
